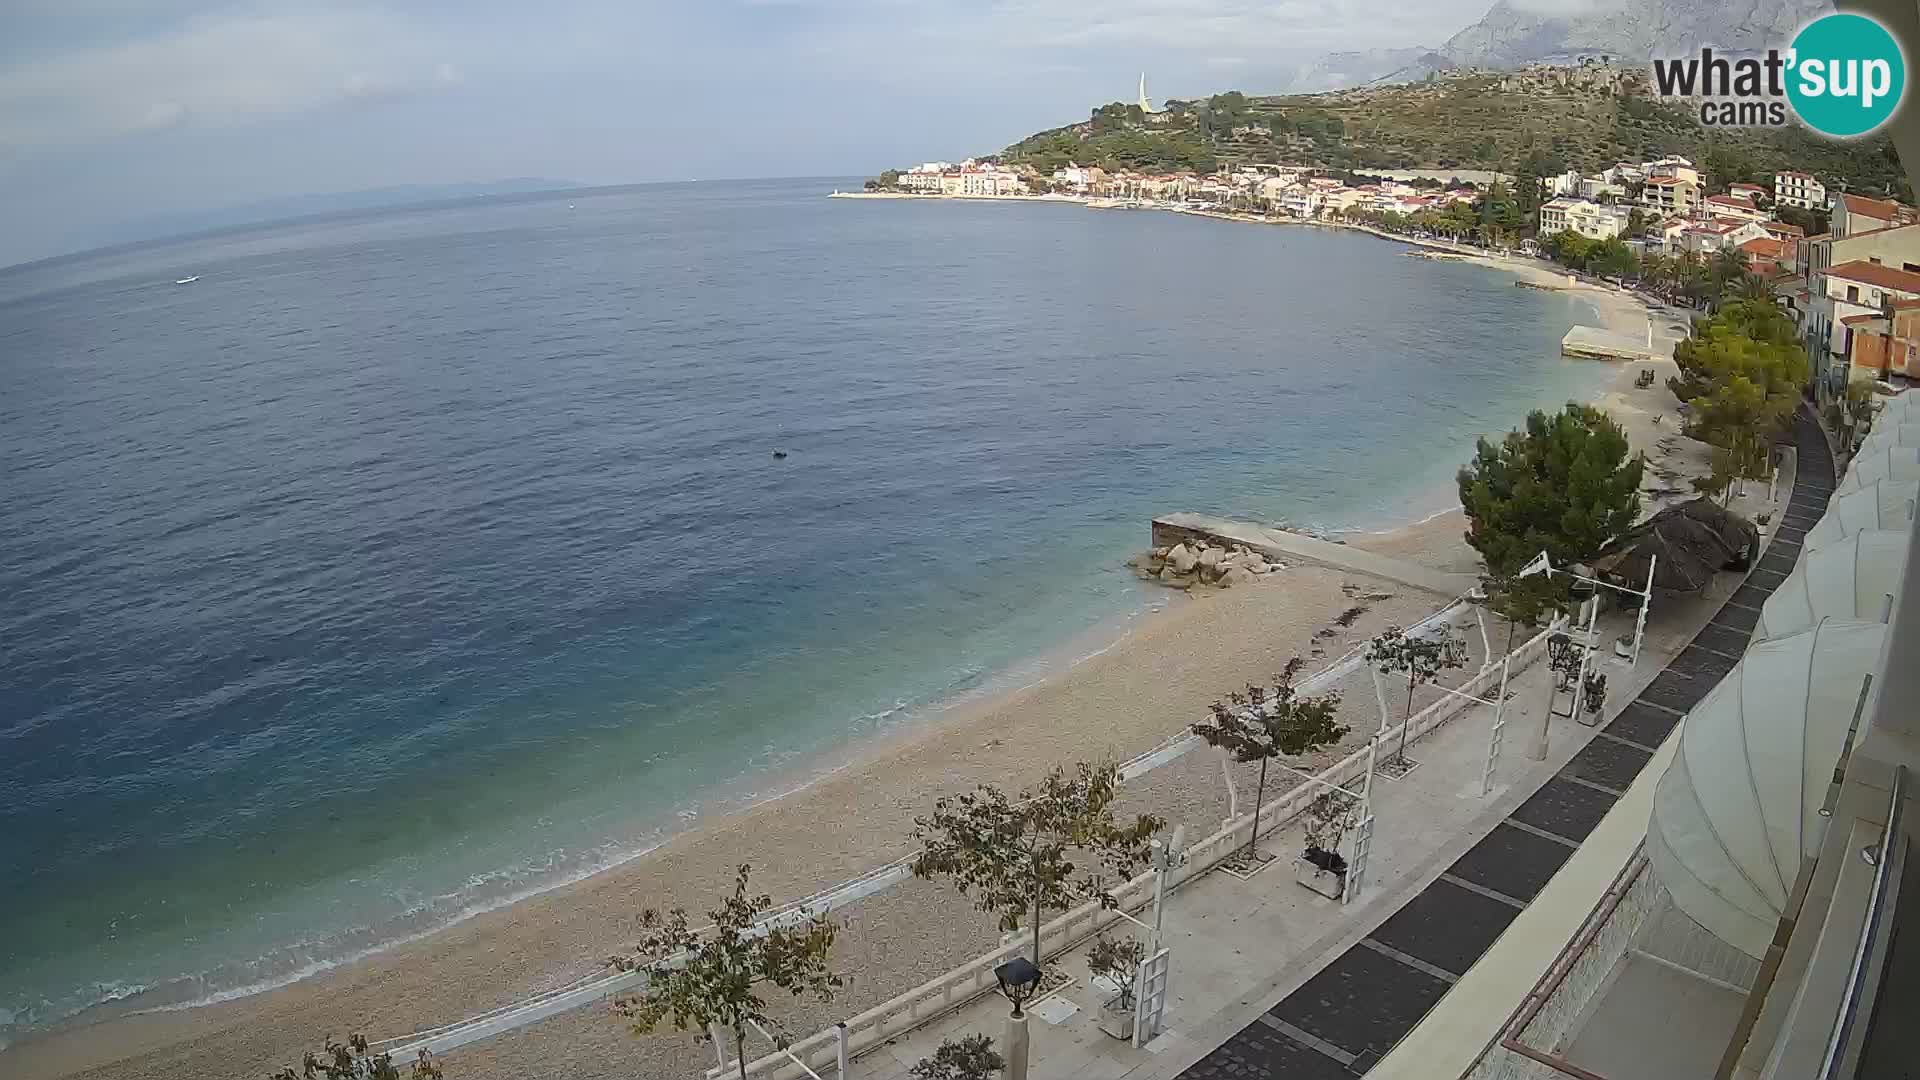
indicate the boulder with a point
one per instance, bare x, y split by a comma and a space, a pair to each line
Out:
1210, 558
1182, 560
1238, 575
1255, 564
1175, 581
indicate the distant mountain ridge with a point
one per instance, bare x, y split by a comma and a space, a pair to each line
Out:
1510, 36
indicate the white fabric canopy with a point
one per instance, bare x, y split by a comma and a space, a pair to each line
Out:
1883, 504
1892, 433
1897, 407
1881, 463
1847, 579
1739, 805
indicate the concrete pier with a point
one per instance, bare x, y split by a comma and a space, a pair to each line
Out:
1594, 343
1297, 547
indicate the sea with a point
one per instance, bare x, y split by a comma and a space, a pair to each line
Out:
405, 564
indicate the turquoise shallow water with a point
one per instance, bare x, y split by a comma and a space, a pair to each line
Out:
406, 563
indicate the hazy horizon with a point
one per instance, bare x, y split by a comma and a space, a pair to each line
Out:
116, 111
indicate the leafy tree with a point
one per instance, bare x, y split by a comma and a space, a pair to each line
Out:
1740, 374
1565, 485
970, 1058
1116, 962
1612, 258
1261, 726
1423, 659
713, 979
351, 1060
1013, 858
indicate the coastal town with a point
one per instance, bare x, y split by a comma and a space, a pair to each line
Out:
1846, 266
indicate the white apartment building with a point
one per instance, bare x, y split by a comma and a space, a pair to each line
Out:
1671, 196
1591, 220
1731, 206
1799, 189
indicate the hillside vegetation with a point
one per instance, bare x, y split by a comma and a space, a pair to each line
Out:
1478, 121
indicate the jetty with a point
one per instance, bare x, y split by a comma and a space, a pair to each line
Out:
1284, 546
1594, 343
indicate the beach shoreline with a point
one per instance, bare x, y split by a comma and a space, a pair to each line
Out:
1087, 707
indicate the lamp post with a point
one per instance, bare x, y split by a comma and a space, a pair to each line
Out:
1540, 564
1018, 979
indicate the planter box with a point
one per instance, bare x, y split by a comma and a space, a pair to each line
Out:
1116, 1020
1328, 883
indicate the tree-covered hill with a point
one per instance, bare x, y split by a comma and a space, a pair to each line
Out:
1467, 121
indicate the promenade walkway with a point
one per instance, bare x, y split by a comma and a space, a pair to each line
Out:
1271, 981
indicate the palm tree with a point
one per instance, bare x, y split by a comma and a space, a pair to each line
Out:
1657, 272
1754, 287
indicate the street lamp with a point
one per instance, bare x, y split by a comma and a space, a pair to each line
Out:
1019, 979
1541, 564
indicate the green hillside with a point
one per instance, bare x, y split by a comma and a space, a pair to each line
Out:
1478, 121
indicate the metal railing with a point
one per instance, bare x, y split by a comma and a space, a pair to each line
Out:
1870, 953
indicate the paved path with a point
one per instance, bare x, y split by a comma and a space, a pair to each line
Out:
1351, 1013
1298, 547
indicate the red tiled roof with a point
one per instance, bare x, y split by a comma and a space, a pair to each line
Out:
1783, 228
1878, 209
1666, 181
1729, 200
1855, 320
1884, 277
1765, 247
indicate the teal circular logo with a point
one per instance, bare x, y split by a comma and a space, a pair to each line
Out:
1846, 75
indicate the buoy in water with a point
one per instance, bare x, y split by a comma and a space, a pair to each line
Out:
779, 454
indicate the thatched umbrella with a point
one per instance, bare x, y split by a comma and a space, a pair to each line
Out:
1689, 552
1740, 536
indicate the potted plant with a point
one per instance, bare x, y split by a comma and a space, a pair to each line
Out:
1321, 866
1115, 963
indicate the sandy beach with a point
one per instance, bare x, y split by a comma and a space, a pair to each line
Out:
1157, 678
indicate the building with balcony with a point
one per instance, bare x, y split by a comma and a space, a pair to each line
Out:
1799, 189
1885, 345
1670, 196
1589, 219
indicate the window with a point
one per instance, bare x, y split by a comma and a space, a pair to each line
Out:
1853, 294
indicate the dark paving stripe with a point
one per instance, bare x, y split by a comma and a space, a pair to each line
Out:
1608, 763
1260, 1053
1676, 691
1767, 579
1644, 724
1806, 519
1362, 1001
1750, 595
1742, 619
1565, 809
1512, 861
1780, 559
1446, 926
1702, 663
1720, 640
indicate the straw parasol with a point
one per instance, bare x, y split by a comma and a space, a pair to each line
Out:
1691, 542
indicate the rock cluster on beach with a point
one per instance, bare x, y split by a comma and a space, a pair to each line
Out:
1196, 562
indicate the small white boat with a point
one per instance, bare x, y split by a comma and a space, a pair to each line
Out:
188, 280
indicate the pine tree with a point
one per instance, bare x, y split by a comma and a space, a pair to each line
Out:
1565, 485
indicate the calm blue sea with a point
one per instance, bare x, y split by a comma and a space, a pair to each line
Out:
406, 563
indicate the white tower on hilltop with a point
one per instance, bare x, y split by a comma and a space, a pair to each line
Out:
1145, 105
